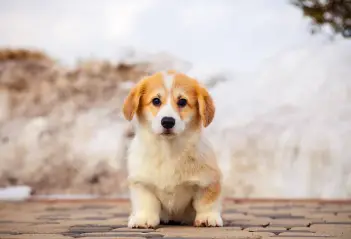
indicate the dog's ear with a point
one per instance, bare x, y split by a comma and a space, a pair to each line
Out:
131, 102
206, 106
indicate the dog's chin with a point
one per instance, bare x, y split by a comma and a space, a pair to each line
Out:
168, 134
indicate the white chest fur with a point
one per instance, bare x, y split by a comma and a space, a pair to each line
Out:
164, 168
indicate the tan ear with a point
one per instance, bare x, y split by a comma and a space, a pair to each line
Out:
206, 106
131, 103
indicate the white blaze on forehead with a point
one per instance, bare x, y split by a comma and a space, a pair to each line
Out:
168, 80
167, 109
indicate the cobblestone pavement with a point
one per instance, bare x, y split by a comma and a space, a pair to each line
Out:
108, 219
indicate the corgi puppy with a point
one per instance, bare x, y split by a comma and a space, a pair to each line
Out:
173, 174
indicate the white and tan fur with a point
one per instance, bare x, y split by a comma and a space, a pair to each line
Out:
173, 176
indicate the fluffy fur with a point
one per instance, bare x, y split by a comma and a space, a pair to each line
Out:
173, 173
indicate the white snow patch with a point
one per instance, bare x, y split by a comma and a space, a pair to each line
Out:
285, 130
15, 193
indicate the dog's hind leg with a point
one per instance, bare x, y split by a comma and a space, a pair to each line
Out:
207, 204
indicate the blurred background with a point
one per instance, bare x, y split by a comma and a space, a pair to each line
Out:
278, 70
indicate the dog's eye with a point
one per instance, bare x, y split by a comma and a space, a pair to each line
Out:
156, 101
182, 102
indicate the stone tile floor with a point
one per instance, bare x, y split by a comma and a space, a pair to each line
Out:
250, 219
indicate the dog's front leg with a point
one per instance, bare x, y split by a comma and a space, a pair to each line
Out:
207, 204
146, 207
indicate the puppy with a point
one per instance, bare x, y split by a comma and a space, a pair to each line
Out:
173, 172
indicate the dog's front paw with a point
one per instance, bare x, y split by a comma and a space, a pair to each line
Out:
208, 219
143, 220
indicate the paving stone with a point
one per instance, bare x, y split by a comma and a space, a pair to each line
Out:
248, 223
121, 214
332, 229
262, 205
95, 207
300, 213
81, 214
289, 223
89, 228
302, 229
318, 215
31, 229
109, 222
333, 222
53, 218
58, 209
237, 216
5, 221
127, 229
315, 220
304, 237
186, 237
188, 231
233, 210
337, 218
303, 234
271, 207
344, 214
95, 218
191, 229
122, 234
35, 236
276, 215
214, 233
272, 231
9, 232
112, 237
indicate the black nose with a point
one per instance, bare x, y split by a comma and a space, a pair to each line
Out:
168, 122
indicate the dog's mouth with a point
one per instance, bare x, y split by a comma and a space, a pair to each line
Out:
168, 133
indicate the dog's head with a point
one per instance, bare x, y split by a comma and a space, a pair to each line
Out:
169, 103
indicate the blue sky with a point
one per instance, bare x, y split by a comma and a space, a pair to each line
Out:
212, 34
